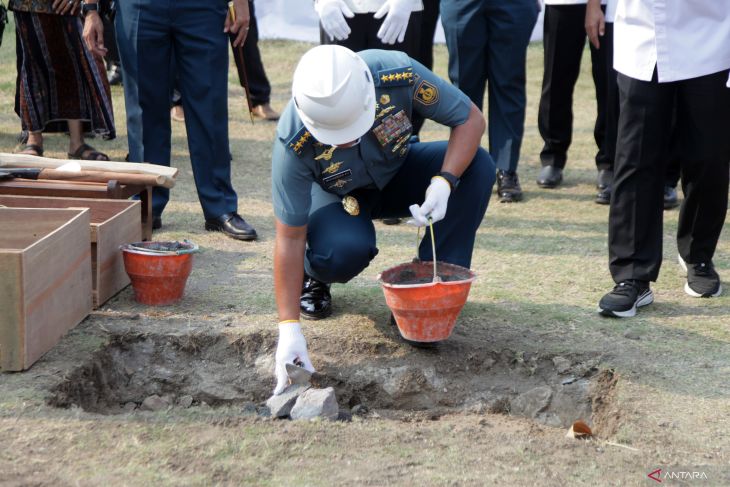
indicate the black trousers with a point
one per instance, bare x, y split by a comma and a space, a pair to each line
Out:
644, 131
429, 19
564, 41
258, 84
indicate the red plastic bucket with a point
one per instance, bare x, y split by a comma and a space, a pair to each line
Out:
426, 311
158, 277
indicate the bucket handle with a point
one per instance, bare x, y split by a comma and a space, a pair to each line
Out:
436, 277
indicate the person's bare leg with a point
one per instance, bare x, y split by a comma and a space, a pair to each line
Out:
34, 138
76, 141
76, 136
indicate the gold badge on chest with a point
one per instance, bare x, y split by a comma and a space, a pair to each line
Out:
351, 206
326, 154
332, 168
384, 99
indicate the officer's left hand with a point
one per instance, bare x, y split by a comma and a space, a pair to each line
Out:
395, 24
434, 207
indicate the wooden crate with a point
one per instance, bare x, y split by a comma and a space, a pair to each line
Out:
113, 223
45, 280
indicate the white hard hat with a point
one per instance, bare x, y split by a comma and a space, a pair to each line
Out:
334, 94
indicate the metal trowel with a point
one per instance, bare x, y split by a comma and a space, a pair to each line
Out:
298, 375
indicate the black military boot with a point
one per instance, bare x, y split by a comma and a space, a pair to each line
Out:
315, 302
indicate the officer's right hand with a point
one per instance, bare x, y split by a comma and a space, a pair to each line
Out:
292, 348
435, 204
332, 14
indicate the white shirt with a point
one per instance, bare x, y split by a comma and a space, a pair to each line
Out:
611, 10
683, 38
372, 6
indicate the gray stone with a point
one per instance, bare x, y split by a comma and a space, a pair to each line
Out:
281, 405
153, 403
562, 364
532, 402
249, 409
130, 406
316, 403
185, 401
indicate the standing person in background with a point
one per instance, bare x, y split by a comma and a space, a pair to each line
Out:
375, 24
599, 27
60, 85
487, 42
564, 41
258, 84
149, 34
671, 55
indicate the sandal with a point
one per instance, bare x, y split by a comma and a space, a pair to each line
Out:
31, 147
87, 153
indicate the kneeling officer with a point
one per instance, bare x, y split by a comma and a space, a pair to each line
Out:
343, 156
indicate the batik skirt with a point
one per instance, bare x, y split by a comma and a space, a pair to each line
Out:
58, 78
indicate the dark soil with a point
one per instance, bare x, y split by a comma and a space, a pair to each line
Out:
216, 370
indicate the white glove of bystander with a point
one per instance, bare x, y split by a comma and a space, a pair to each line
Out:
332, 13
292, 347
395, 24
437, 199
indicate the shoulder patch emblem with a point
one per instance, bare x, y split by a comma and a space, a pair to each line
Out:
427, 93
395, 77
299, 141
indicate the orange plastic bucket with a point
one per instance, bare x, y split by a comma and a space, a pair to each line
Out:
426, 311
158, 277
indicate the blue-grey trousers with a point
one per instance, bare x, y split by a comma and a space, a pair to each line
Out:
340, 246
150, 33
487, 42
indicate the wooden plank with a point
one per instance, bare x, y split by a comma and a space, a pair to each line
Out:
47, 289
57, 291
112, 190
12, 351
123, 228
26, 160
113, 223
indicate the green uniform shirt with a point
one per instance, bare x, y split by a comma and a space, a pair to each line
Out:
402, 86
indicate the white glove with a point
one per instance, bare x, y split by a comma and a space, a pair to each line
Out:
292, 347
395, 24
437, 199
332, 13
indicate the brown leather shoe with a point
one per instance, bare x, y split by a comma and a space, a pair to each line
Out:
265, 112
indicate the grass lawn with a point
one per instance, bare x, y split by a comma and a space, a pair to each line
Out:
542, 267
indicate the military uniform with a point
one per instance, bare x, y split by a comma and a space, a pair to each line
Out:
337, 192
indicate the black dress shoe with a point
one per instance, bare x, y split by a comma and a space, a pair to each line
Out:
671, 200
604, 196
604, 183
156, 222
315, 302
508, 186
550, 177
604, 179
232, 225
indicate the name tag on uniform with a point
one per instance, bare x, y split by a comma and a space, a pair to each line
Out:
339, 180
392, 128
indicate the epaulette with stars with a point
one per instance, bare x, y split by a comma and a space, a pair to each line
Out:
402, 76
300, 141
